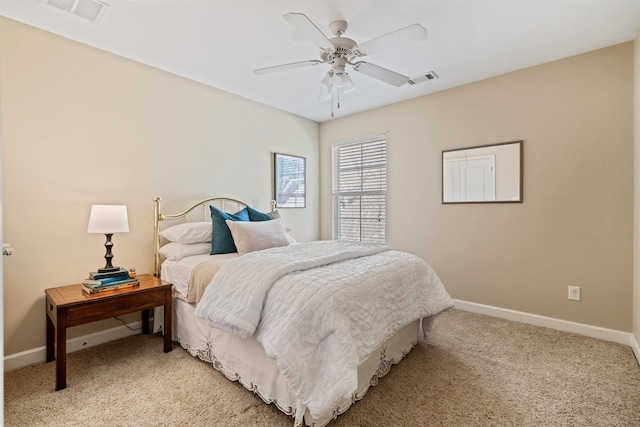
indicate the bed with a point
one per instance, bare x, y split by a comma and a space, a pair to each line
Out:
308, 327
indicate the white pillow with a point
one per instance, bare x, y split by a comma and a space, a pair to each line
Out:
176, 251
188, 232
276, 214
257, 235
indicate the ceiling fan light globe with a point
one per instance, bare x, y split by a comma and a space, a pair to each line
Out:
340, 79
325, 83
349, 86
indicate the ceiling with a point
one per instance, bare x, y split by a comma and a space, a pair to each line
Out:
220, 43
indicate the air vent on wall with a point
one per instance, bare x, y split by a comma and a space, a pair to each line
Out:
423, 78
92, 10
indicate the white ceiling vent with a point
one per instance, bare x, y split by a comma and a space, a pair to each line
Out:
93, 10
423, 78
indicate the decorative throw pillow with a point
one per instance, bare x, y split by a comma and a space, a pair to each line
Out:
222, 242
188, 232
258, 235
173, 251
255, 215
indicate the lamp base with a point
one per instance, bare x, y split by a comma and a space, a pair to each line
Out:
108, 267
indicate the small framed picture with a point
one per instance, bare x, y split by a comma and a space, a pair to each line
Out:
289, 181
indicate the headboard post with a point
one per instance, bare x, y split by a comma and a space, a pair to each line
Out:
156, 236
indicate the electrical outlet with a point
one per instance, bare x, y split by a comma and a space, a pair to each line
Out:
574, 293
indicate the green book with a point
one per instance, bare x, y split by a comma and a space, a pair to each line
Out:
110, 287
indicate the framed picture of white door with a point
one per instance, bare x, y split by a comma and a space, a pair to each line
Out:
483, 174
470, 179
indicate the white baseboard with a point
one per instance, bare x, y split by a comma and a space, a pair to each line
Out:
635, 348
37, 355
612, 335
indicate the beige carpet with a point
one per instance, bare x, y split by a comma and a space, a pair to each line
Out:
474, 371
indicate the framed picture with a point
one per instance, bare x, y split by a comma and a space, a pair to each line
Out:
289, 181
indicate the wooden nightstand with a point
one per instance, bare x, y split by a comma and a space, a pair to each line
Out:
68, 306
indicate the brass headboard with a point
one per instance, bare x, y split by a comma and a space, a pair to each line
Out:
219, 202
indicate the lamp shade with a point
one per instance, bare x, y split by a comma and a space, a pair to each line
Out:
108, 219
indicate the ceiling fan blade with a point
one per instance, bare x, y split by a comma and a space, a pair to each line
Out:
380, 73
308, 29
394, 39
289, 66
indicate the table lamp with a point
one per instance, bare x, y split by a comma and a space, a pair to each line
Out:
108, 219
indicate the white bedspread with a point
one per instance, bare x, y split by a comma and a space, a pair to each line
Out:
320, 308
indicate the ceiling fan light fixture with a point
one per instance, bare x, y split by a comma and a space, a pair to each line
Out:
349, 86
340, 79
325, 83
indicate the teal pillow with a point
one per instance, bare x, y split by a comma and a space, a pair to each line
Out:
222, 240
255, 215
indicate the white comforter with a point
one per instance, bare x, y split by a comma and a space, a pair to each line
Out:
320, 308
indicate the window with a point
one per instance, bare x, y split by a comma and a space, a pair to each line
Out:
359, 190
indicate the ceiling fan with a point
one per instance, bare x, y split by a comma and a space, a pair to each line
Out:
341, 51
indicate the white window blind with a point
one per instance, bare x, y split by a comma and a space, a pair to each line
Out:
359, 190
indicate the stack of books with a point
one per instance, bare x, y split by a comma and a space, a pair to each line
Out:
103, 282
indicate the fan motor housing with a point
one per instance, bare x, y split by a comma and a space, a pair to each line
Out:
343, 47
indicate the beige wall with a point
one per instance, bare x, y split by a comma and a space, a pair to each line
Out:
81, 126
575, 225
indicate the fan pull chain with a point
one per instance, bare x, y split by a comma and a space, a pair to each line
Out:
331, 101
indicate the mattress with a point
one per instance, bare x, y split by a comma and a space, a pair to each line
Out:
179, 272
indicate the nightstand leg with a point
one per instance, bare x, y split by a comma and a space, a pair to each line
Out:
51, 334
61, 350
168, 312
145, 321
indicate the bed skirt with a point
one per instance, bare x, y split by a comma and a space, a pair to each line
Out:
237, 358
